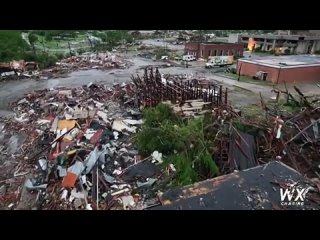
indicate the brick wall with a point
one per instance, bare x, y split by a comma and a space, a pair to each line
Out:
203, 50
221, 50
286, 74
191, 48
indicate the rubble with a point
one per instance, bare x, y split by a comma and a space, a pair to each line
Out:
77, 149
86, 61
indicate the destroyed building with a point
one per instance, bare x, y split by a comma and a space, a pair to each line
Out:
79, 153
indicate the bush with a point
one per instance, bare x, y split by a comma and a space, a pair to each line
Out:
51, 60
258, 49
188, 145
161, 52
287, 51
154, 117
12, 45
81, 51
59, 56
272, 51
44, 60
160, 138
48, 36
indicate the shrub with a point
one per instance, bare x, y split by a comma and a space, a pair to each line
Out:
287, 51
161, 52
48, 36
187, 144
59, 56
156, 116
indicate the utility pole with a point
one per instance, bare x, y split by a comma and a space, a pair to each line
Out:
239, 72
165, 37
69, 48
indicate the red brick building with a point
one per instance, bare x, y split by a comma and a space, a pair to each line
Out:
204, 50
295, 68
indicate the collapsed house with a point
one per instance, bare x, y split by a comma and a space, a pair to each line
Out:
256, 188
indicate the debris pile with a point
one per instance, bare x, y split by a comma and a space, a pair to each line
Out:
16, 69
295, 141
86, 61
79, 152
289, 137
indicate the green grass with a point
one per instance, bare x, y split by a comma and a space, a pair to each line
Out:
52, 44
241, 89
246, 79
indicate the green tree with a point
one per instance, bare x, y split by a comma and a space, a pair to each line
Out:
12, 45
32, 39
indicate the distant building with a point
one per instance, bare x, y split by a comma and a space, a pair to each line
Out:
134, 33
279, 69
296, 41
147, 33
207, 49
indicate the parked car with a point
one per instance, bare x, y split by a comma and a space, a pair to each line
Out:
178, 58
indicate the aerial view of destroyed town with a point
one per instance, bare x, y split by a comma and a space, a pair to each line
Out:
159, 119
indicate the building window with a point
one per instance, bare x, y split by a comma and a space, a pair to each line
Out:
201, 53
232, 52
215, 53
209, 54
227, 52
221, 54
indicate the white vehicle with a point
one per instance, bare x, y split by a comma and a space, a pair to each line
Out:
164, 58
188, 58
219, 61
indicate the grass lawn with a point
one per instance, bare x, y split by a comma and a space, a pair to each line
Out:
246, 79
61, 44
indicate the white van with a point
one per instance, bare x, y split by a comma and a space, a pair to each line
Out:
188, 58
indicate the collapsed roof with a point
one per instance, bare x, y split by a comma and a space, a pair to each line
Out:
251, 189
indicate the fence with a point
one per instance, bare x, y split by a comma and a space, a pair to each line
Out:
152, 89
